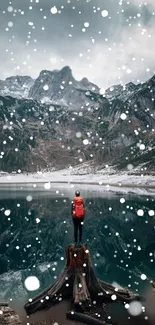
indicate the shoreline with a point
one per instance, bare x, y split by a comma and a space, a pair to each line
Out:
102, 182
123, 185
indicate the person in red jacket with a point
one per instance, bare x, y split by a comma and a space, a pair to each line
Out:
78, 213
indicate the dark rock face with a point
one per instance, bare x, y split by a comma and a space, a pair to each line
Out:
48, 130
60, 87
8, 315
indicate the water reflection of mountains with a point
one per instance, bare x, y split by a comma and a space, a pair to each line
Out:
116, 235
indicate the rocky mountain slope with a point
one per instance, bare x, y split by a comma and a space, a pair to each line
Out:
66, 122
16, 86
61, 88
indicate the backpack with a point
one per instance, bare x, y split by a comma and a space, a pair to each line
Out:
78, 210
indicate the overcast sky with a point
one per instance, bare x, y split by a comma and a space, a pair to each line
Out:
117, 48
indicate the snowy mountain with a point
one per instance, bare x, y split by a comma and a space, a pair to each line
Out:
58, 87
16, 86
120, 92
65, 122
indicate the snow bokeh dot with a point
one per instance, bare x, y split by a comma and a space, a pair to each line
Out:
86, 24
102, 91
29, 198
104, 13
140, 212
54, 10
47, 186
32, 283
151, 213
130, 167
10, 9
135, 308
123, 116
10, 24
143, 277
78, 134
122, 200
127, 306
7, 212
46, 87
85, 142
142, 146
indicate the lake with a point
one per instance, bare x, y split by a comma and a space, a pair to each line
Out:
36, 226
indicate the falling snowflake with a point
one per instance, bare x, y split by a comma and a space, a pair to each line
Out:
102, 91
78, 134
113, 297
127, 306
46, 87
140, 212
151, 213
54, 10
10, 9
7, 212
32, 283
130, 167
143, 277
29, 198
123, 116
47, 186
135, 308
142, 147
86, 141
10, 24
86, 24
104, 13
122, 200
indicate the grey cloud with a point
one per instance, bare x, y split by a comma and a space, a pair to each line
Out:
133, 10
101, 60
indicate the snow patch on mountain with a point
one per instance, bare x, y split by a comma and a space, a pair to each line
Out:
16, 86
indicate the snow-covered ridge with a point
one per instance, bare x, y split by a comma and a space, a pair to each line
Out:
16, 86
104, 180
57, 86
60, 85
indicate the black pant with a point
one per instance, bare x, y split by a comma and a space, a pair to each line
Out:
77, 226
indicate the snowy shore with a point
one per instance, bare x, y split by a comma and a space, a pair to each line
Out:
104, 180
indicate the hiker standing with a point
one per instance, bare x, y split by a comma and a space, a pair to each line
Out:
78, 213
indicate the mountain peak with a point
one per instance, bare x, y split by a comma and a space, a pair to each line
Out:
45, 73
130, 86
84, 81
19, 79
66, 71
16, 86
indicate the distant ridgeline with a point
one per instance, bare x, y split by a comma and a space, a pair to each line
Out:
56, 121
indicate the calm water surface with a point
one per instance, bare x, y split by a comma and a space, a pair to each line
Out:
36, 226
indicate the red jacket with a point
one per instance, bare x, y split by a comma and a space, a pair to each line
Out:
78, 207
